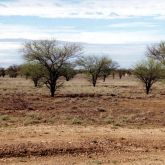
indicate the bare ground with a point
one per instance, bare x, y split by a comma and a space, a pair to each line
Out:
84, 145
115, 123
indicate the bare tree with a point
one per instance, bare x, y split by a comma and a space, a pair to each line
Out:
148, 72
94, 65
157, 52
52, 55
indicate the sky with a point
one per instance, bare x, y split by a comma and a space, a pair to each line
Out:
121, 29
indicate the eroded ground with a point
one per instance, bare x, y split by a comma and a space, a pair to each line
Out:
81, 145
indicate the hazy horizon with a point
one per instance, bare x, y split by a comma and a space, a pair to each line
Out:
136, 52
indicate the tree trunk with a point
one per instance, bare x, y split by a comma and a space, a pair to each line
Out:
52, 90
113, 75
67, 78
94, 79
94, 83
120, 75
148, 87
104, 77
53, 83
35, 80
35, 83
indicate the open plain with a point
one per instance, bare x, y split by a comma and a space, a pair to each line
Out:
113, 123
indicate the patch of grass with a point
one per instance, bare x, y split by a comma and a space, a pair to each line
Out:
4, 117
50, 120
30, 121
117, 124
77, 121
114, 161
116, 121
22, 159
34, 115
32, 118
114, 127
97, 162
109, 120
120, 121
124, 119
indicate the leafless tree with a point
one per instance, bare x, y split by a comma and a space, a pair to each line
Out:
157, 52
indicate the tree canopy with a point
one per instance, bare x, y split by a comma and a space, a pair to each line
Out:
52, 55
149, 72
94, 65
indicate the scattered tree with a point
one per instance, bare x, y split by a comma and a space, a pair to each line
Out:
107, 69
149, 72
124, 72
52, 55
94, 66
68, 71
120, 72
157, 52
35, 71
129, 72
113, 74
2, 72
13, 71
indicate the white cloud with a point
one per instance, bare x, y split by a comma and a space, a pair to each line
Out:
9, 31
71, 34
133, 25
8, 46
83, 9
112, 37
160, 17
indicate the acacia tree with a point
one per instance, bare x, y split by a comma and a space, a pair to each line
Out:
94, 65
113, 74
35, 71
13, 71
108, 69
2, 72
52, 55
149, 72
121, 73
68, 71
157, 52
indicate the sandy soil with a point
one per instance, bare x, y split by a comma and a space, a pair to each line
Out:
82, 145
115, 123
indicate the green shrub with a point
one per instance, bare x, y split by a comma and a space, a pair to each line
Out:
76, 121
4, 117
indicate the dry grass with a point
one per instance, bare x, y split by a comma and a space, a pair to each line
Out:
114, 123
115, 102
